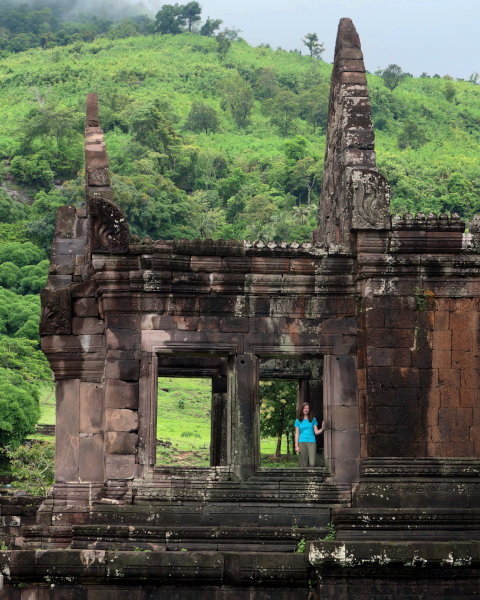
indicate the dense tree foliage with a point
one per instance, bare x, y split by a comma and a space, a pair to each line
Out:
278, 401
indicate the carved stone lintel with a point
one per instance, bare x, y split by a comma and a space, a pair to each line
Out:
370, 199
56, 315
109, 231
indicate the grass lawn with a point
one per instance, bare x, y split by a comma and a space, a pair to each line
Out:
47, 406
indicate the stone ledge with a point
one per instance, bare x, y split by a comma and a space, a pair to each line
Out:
420, 467
415, 554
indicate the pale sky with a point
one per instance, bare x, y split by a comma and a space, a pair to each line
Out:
436, 36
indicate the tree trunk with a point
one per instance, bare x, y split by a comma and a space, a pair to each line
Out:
288, 443
278, 451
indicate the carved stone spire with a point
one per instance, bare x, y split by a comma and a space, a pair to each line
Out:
107, 225
354, 195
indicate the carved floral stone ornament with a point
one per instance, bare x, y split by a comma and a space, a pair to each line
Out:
109, 230
56, 315
370, 195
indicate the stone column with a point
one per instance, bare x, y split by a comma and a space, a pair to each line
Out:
244, 420
341, 413
219, 427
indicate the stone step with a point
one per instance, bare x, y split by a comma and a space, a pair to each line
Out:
279, 575
406, 523
277, 491
124, 538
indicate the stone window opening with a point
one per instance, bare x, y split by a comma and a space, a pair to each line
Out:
183, 431
201, 375
295, 380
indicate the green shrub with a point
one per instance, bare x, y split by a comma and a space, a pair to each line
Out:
33, 466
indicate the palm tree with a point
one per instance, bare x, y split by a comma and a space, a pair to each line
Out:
260, 232
301, 214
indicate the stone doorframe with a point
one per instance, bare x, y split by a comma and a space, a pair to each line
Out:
241, 420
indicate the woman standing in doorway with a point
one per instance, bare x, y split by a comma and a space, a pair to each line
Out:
306, 428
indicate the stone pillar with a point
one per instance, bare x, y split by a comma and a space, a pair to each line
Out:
67, 430
341, 413
244, 433
219, 428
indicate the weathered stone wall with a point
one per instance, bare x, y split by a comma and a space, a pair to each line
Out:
418, 343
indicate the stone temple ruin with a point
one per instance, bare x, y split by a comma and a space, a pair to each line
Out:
377, 318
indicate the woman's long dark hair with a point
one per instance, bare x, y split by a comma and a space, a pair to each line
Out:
300, 414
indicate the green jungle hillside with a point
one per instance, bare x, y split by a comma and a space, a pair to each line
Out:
207, 137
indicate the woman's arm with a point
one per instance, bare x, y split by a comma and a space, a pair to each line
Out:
297, 435
317, 430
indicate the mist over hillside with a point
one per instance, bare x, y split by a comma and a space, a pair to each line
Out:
107, 9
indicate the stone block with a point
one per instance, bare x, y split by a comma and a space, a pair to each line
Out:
349, 78
304, 266
87, 326
463, 359
441, 359
389, 338
120, 442
441, 320
234, 324
421, 358
154, 322
465, 448
241, 264
119, 466
265, 264
460, 320
470, 378
446, 417
379, 357
460, 434
442, 340
85, 307
128, 370
440, 434
449, 377
344, 418
67, 430
464, 417
91, 458
406, 397
91, 407
374, 318
71, 246
449, 396
123, 320
185, 323
400, 319
122, 339
474, 436
121, 419
462, 339
59, 281
341, 325
206, 263
469, 397
84, 290
379, 377
65, 221
428, 378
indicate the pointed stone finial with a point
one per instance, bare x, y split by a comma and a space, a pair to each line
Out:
354, 195
108, 229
